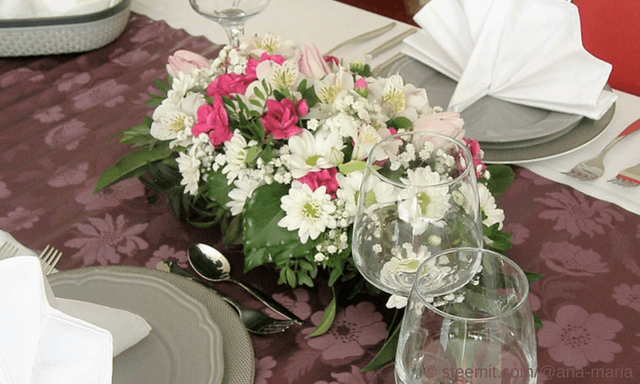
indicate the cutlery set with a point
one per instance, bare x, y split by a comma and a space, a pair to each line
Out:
593, 168
255, 321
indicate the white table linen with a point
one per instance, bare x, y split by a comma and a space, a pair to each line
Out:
326, 23
126, 328
41, 344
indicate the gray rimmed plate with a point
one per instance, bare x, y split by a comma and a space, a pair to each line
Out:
488, 120
184, 347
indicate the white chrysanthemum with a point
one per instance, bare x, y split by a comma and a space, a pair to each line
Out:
424, 203
236, 155
399, 271
489, 207
309, 212
189, 167
377, 192
312, 153
180, 86
239, 195
171, 119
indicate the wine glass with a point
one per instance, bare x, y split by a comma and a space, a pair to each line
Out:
482, 333
418, 196
230, 14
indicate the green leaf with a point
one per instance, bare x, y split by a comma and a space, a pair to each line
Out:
354, 165
133, 164
327, 318
233, 234
217, 188
537, 322
501, 178
533, 277
400, 123
387, 353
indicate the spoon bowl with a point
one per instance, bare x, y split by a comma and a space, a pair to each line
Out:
211, 265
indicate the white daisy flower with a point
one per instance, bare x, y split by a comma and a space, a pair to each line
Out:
309, 212
489, 207
424, 203
236, 154
378, 193
239, 195
312, 153
189, 167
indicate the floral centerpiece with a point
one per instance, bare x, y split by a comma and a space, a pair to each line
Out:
269, 140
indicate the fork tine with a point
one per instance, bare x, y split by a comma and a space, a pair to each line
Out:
7, 250
49, 257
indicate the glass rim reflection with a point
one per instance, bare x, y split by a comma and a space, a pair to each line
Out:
509, 312
467, 154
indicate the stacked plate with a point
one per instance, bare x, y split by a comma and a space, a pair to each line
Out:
507, 132
196, 337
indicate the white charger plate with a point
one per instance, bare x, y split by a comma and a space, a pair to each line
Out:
191, 325
489, 119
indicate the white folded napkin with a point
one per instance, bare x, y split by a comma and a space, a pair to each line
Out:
126, 328
27, 9
40, 344
523, 51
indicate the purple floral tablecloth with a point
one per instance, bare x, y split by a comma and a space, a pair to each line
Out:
57, 114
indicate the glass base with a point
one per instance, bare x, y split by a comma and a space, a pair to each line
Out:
384, 375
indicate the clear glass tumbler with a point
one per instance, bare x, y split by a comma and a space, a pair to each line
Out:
418, 196
482, 333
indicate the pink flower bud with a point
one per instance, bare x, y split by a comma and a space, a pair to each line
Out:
311, 63
185, 61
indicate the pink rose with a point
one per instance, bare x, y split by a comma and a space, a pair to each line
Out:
228, 84
311, 63
214, 120
280, 119
444, 123
326, 177
185, 61
253, 63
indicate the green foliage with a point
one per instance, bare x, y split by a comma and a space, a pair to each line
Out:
501, 178
327, 318
133, 164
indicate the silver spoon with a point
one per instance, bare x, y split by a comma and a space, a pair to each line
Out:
211, 265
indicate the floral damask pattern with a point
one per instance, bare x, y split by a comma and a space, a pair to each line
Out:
577, 338
572, 259
356, 327
107, 240
577, 214
627, 295
51, 155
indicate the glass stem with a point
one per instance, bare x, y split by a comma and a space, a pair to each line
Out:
234, 33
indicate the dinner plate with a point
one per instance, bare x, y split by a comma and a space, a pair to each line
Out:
196, 336
489, 119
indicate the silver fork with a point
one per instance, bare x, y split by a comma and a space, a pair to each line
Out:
629, 177
49, 258
255, 321
7, 250
591, 169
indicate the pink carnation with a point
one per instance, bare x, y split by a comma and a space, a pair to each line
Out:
213, 119
476, 154
326, 177
253, 63
280, 119
228, 84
